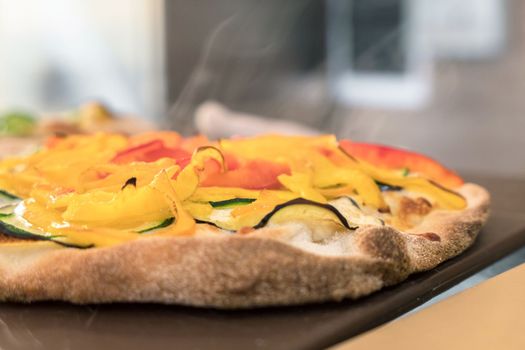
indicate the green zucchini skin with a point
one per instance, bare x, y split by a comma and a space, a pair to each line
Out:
7, 195
8, 199
232, 202
264, 221
8, 203
8, 228
7, 210
163, 224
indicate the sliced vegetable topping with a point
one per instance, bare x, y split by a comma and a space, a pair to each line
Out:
406, 161
7, 198
7, 210
252, 174
125, 209
164, 223
188, 180
228, 203
105, 189
13, 226
150, 152
445, 198
300, 209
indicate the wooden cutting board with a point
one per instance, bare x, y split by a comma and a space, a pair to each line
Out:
486, 317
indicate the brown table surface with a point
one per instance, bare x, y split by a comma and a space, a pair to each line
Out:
139, 326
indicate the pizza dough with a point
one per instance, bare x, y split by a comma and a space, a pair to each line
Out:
149, 218
272, 266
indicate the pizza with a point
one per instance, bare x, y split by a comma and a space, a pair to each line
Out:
22, 132
233, 223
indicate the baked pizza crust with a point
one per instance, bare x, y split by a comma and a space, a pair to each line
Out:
271, 266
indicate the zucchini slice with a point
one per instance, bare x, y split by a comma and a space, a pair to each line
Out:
349, 208
7, 210
161, 224
229, 203
298, 208
14, 226
7, 198
307, 209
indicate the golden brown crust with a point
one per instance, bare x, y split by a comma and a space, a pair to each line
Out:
266, 267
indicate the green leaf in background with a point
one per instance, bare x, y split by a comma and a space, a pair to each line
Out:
17, 124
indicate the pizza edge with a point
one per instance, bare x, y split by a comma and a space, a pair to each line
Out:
241, 271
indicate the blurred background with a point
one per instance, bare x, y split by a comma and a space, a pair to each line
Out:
444, 77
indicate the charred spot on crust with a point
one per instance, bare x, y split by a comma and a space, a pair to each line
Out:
384, 243
387, 245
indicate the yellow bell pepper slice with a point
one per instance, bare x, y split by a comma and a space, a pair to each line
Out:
184, 222
92, 218
301, 184
265, 203
246, 215
51, 224
445, 198
125, 209
117, 174
198, 210
188, 179
61, 165
327, 174
292, 150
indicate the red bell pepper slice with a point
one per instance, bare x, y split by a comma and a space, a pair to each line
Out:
152, 151
252, 174
395, 158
